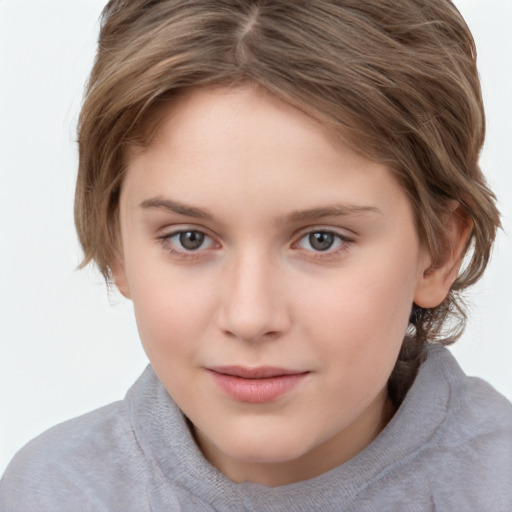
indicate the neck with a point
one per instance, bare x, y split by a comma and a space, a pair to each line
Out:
324, 457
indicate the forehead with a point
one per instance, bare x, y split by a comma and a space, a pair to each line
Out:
203, 111
229, 103
248, 147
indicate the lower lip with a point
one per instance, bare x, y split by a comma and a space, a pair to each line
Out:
257, 391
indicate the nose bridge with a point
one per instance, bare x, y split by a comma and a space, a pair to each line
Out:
254, 305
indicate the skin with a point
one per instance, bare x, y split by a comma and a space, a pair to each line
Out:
257, 177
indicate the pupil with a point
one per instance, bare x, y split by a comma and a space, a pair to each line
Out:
321, 241
191, 240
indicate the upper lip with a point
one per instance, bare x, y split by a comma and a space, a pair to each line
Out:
261, 372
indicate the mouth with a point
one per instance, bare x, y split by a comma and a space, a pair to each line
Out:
256, 385
262, 372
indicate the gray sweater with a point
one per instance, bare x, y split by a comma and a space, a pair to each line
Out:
448, 448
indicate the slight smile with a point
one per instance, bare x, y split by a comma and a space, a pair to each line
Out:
255, 385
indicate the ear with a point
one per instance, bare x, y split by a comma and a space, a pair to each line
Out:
438, 276
119, 276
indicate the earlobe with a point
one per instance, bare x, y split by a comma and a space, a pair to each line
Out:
438, 277
119, 277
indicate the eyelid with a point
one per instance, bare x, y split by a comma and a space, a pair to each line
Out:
166, 234
173, 229
345, 241
343, 233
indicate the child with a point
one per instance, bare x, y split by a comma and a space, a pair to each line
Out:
289, 193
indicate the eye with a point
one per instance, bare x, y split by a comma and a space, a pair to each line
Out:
187, 241
321, 241
190, 240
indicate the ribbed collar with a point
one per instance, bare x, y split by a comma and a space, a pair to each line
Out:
170, 449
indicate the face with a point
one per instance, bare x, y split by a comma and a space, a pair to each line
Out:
272, 272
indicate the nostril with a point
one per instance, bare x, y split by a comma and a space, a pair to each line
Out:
258, 328
251, 337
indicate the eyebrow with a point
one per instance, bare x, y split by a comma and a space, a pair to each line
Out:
175, 207
295, 216
341, 210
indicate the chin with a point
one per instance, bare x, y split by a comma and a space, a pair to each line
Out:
265, 449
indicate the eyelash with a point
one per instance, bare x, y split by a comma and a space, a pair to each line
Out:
343, 243
167, 244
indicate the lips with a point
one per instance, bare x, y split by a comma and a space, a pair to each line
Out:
256, 385
263, 372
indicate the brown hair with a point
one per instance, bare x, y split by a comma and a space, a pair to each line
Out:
397, 79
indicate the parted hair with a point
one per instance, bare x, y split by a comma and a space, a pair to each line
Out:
396, 79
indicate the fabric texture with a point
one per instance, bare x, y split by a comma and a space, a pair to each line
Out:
448, 448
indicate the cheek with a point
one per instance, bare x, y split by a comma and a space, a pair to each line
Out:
172, 311
362, 304
360, 318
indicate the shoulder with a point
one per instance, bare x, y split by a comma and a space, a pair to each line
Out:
449, 445
476, 411
468, 405
472, 449
72, 465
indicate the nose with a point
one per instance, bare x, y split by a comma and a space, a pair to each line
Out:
254, 304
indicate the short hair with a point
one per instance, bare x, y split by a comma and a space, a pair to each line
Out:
396, 79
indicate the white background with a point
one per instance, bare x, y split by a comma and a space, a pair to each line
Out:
66, 346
